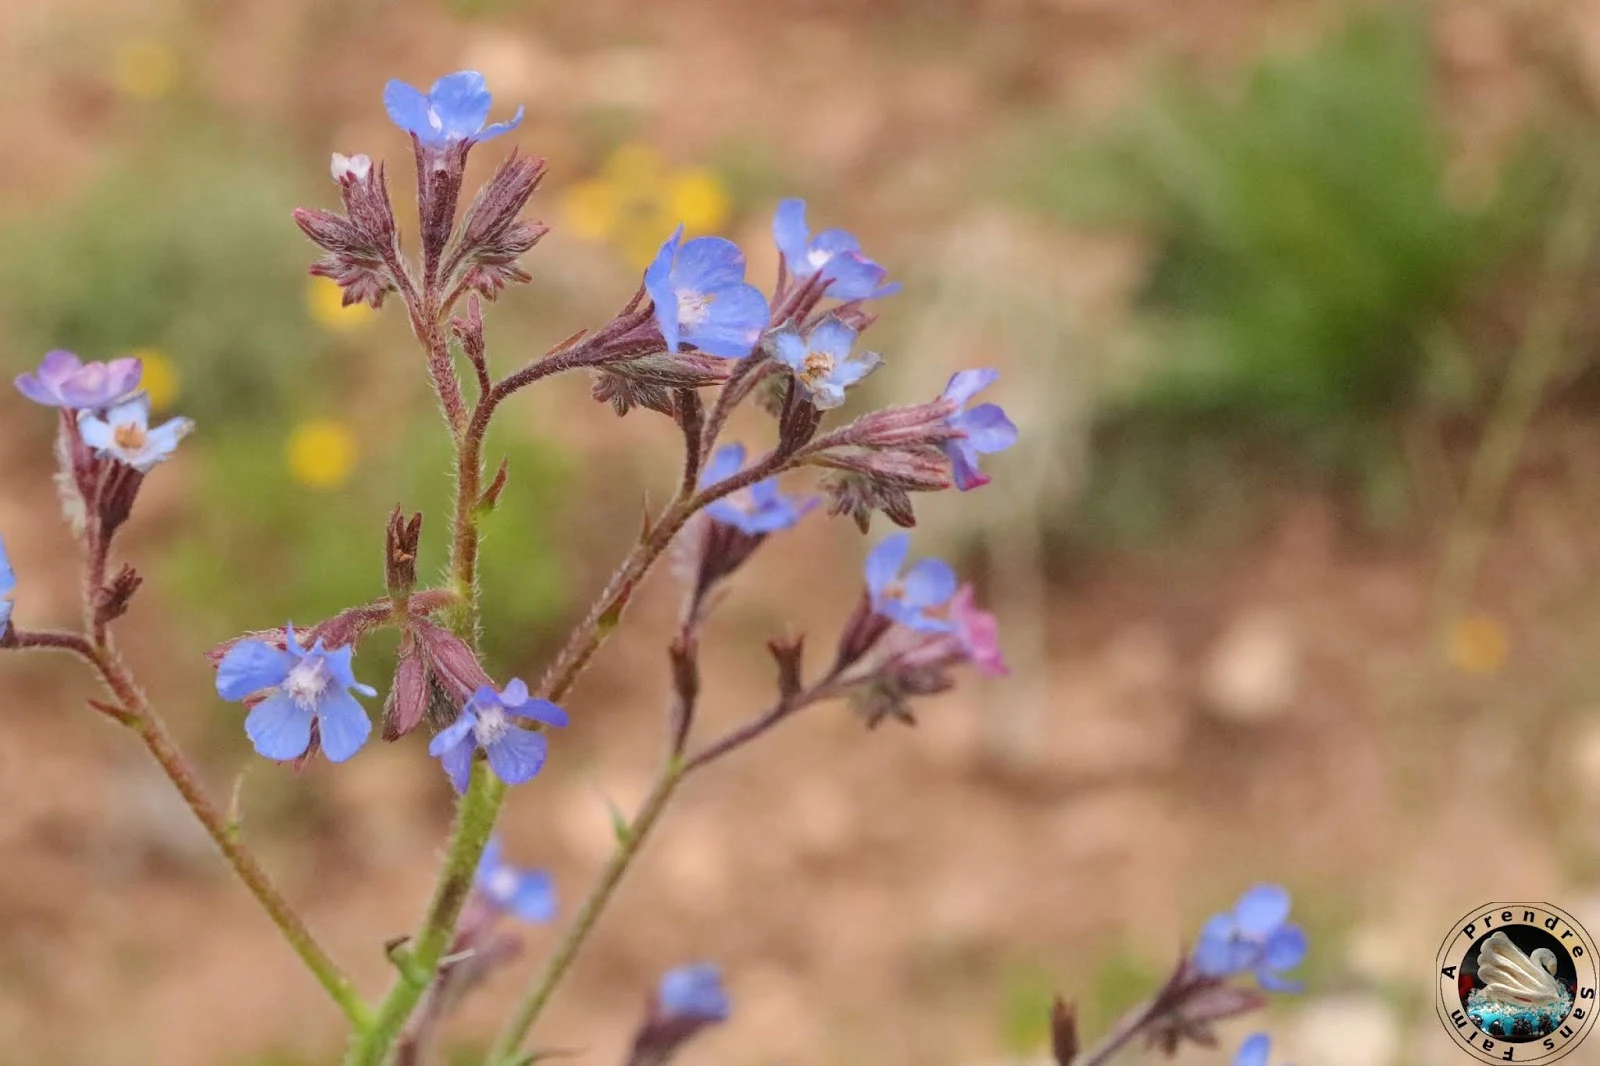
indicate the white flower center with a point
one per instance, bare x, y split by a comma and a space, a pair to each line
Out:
307, 682
490, 726
817, 367
502, 884
693, 307
433, 118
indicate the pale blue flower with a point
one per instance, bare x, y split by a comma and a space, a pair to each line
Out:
8, 588
526, 894
301, 687
755, 510
693, 993
834, 253
701, 298
1254, 1051
124, 434
821, 361
488, 721
1255, 937
454, 110
983, 429
927, 586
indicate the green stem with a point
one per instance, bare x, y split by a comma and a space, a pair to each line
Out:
538, 995
150, 728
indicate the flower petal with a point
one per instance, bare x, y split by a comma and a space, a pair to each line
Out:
279, 728
790, 234
457, 763
708, 264
727, 461
460, 104
885, 560
250, 666
343, 723
1286, 948
537, 710
733, 323
535, 897
408, 108
929, 583
515, 694
1261, 910
791, 349
658, 283
452, 734
1254, 1051
489, 133
1213, 953
964, 464
965, 384
517, 756
987, 428
338, 660
832, 337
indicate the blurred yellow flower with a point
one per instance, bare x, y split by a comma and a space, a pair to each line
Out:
322, 453
145, 68
159, 379
637, 199
1478, 644
325, 304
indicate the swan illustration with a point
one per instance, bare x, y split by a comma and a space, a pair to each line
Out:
1509, 976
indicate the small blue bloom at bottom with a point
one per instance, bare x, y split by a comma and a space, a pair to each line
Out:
488, 721
693, 993
1254, 1051
1255, 937
926, 587
526, 894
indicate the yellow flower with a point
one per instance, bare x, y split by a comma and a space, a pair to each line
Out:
637, 199
145, 68
322, 453
325, 304
159, 379
1478, 644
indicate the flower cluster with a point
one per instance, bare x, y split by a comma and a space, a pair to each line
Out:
696, 341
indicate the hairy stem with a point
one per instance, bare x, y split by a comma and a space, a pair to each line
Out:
538, 995
139, 717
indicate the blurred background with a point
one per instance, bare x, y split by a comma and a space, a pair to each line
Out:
1295, 304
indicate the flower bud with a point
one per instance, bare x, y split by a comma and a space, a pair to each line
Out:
350, 167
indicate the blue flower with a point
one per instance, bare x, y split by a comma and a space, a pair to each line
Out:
63, 380
701, 297
526, 894
1255, 937
821, 361
124, 434
8, 586
454, 110
927, 586
834, 252
693, 993
302, 687
1254, 1051
515, 754
983, 429
759, 509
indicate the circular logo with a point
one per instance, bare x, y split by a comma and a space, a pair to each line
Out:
1518, 983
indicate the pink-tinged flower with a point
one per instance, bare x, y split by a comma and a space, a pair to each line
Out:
64, 380
978, 633
982, 430
8, 588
